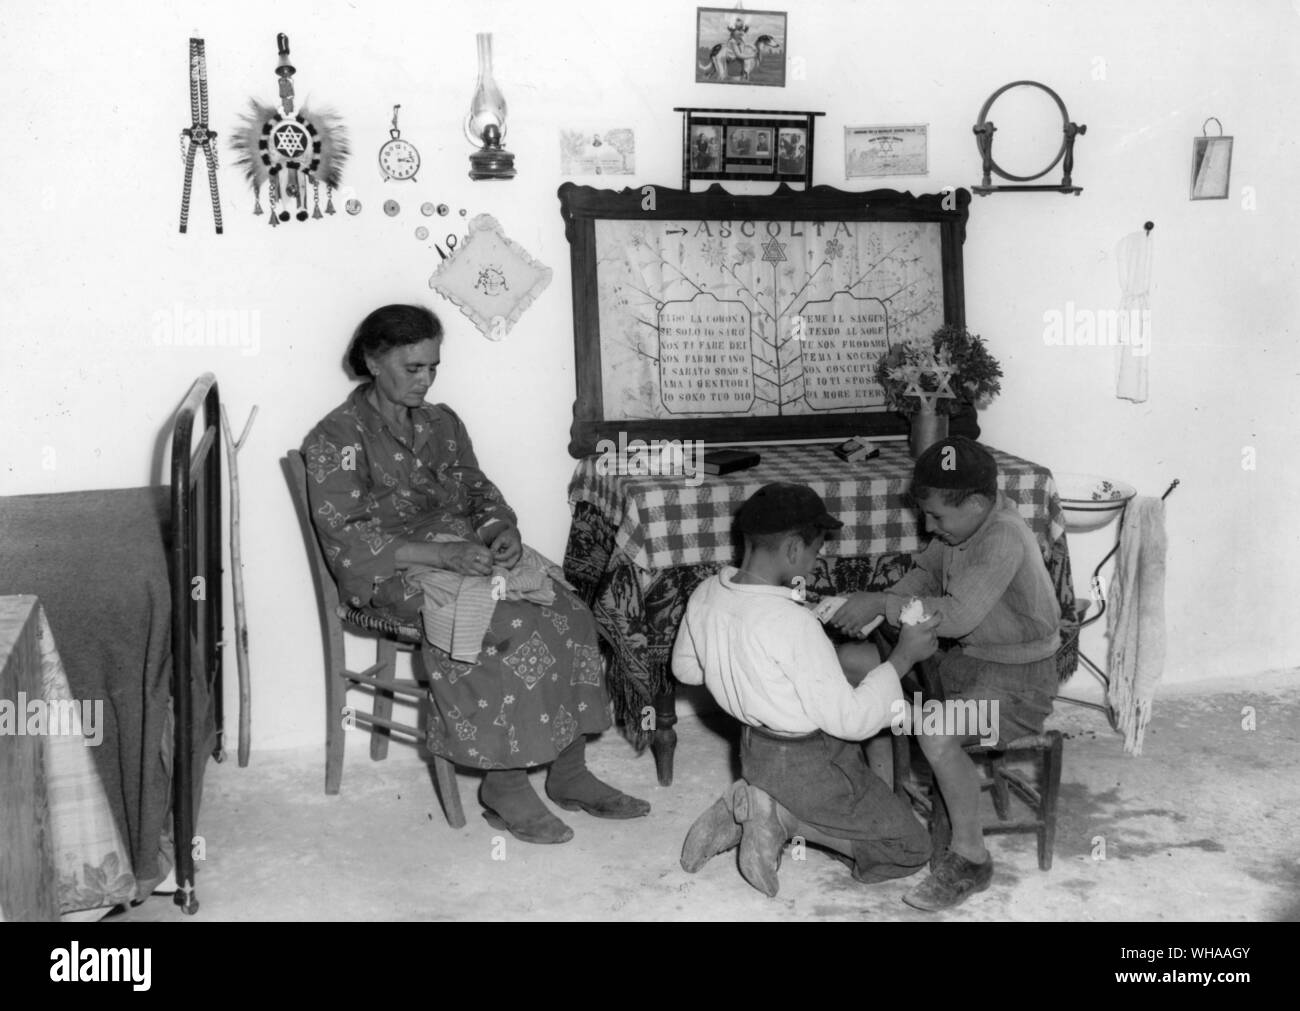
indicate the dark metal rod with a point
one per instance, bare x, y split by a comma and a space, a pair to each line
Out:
187, 530
212, 655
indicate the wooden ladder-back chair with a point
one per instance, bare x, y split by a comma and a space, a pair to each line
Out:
380, 678
1039, 797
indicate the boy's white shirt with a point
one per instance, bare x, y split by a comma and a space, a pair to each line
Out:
768, 662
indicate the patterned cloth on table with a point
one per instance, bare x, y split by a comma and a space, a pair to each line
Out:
638, 547
662, 522
539, 683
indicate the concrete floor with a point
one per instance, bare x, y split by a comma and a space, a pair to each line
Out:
1203, 826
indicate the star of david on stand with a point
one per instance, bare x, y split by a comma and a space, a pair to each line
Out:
773, 251
926, 365
943, 372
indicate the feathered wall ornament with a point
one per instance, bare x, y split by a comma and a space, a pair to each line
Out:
287, 151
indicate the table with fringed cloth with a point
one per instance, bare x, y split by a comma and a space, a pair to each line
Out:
639, 545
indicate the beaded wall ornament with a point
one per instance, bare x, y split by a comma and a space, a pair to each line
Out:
288, 152
197, 137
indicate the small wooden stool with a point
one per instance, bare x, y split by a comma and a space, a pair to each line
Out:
1040, 797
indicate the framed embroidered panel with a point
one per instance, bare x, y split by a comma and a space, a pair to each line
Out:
734, 319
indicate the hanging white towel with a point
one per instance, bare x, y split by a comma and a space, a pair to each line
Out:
1134, 256
1135, 619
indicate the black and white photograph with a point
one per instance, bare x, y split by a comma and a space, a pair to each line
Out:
792, 150
706, 148
749, 142
735, 46
460, 465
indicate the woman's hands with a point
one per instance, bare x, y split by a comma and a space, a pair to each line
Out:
507, 547
465, 558
469, 558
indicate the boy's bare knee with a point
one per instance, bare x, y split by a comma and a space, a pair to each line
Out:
857, 659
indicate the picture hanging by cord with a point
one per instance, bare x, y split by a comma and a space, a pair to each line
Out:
286, 151
490, 278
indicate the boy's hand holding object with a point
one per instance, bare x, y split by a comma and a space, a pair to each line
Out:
828, 608
913, 612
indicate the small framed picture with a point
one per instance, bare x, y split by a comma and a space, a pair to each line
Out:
1211, 167
706, 149
792, 150
596, 151
749, 142
740, 47
871, 151
737, 144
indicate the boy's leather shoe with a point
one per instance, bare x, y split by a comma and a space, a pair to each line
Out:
953, 880
714, 832
763, 836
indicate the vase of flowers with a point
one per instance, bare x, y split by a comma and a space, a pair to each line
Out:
928, 380
928, 426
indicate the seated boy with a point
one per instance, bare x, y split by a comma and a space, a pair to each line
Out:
984, 573
768, 662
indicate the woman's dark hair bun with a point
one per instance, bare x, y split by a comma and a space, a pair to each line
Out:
392, 326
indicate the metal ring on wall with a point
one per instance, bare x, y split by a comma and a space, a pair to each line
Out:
1065, 121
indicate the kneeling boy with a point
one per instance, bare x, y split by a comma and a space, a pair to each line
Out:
769, 663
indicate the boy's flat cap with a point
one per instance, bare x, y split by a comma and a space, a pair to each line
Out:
778, 507
955, 462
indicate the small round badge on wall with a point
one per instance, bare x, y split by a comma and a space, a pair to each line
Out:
398, 159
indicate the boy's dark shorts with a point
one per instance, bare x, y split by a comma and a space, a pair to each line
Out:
826, 783
1023, 691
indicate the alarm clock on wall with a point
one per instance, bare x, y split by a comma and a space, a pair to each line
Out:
398, 159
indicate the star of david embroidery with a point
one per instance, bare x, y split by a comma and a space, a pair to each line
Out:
773, 251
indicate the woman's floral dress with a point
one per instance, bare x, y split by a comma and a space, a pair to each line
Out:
540, 679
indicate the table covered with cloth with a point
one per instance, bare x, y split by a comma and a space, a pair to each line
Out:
98, 562
639, 545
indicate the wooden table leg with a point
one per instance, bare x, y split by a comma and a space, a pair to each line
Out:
664, 741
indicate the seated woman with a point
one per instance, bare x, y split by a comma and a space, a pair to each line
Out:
395, 489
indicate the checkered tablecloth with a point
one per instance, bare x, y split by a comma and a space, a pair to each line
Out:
664, 521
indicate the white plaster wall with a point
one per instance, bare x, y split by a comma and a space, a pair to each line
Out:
92, 263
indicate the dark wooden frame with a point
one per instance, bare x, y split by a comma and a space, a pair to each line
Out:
196, 624
582, 206
727, 120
